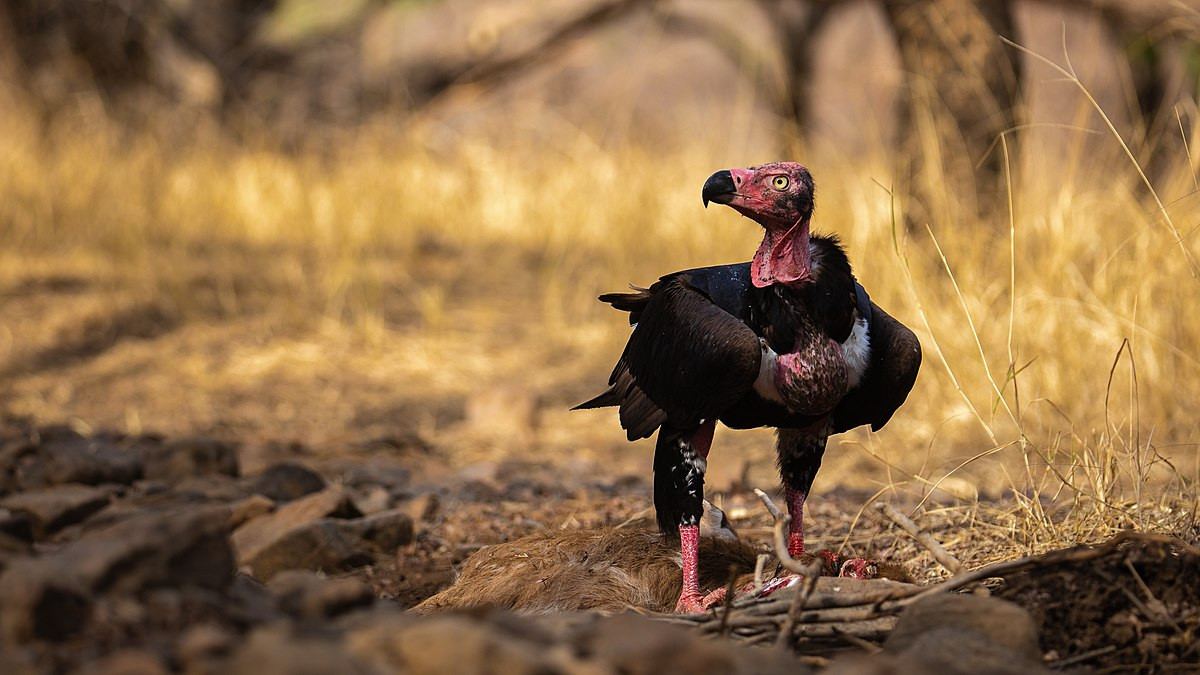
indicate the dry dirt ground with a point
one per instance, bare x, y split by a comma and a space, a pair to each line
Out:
123, 553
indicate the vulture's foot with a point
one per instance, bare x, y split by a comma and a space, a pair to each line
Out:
833, 565
691, 603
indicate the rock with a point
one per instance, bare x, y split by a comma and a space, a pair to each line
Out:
250, 602
47, 597
17, 662
274, 650
502, 643
422, 508
1004, 623
445, 644
248, 509
373, 499
955, 635
304, 595
191, 457
202, 645
287, 481
215, 487
253, 538
51, 509
633, 644
126, 662
317, 545
16, 525
59, 455
385, 532
39, 607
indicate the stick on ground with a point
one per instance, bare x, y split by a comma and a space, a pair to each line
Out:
923, 538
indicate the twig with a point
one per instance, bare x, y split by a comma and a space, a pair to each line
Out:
809, 572
940, 554
776, 512
733, 575
759, 564
1080, 658
832, 620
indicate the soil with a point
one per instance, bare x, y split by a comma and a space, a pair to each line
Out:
1137, 608
117, 547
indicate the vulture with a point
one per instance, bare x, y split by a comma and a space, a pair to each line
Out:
788, 340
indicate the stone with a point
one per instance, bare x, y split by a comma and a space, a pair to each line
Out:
51, 509
318, 545
16, 525
999, 621
374, 499
955, 635
384, 532
286, 481
47, 597
636, 645
191, 457
126, 662
201, 645
422, 508
59, 455
445, 644
275, 650
256, 535
305, 595
248, 509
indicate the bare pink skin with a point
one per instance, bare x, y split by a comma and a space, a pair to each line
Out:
813, 377
854, 568
691, 600
859, 568
795, 506
784, 256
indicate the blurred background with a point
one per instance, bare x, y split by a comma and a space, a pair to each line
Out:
374, 223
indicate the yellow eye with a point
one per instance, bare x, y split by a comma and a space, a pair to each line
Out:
779, 182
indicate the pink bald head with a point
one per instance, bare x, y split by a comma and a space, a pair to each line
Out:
778, 196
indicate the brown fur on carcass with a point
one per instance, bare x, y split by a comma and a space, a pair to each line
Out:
612, 569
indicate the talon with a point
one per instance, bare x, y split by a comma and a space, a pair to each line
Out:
695, 603
832, 564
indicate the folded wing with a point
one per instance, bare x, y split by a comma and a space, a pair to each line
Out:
687, 360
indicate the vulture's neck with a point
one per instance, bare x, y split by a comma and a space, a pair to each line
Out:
783, 257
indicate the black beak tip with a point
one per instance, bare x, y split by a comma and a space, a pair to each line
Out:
718, 188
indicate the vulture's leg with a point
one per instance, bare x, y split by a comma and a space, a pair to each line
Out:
680, 460
800, 452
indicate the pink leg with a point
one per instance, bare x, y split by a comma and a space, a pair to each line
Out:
795, 504
690, 600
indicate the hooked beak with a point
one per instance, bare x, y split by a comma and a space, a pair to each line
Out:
719, 188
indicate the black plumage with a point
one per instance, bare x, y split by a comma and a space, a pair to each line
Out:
790, 340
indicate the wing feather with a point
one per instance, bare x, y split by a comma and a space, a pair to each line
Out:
687, 360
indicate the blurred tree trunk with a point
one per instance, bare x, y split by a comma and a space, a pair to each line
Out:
961, 92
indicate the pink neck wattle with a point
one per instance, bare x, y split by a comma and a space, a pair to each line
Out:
782, 258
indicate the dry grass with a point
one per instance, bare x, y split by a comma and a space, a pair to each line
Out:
385, 285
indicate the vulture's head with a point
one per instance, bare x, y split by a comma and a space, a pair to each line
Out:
778, 196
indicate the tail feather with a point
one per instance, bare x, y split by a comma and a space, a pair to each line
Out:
633, 302
607, 399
